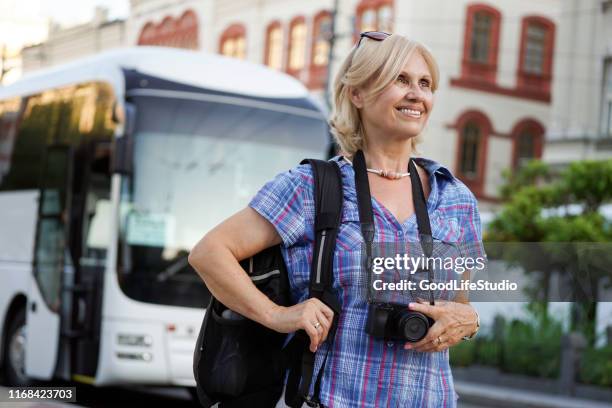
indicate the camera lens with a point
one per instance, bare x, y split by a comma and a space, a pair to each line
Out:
413, 326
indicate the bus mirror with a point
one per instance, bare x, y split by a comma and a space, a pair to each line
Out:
123, 146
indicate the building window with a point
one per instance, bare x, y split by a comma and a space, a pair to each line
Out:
374, 15
319, 60
147, 35
274, 46
297, 45
527, 137
385, 18
233, 42
533, 56
525, 149
535, 60
481, 43
368, 20
188, 30
606, 105
473, 130
322, 33
170, 32
481, 36
470, 148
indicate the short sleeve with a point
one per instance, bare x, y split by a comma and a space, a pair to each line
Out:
281, 202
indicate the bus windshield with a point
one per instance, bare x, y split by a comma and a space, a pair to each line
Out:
196, 162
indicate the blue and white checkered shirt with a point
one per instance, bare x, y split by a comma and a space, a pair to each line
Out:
362, 371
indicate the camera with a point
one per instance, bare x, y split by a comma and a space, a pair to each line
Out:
392, 321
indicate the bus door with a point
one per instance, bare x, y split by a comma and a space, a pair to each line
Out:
88, 244
44, 298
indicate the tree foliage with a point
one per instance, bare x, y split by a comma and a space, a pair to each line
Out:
546, 204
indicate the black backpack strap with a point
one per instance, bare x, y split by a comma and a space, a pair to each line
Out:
328, 210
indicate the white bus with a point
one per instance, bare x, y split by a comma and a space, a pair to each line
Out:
111, 169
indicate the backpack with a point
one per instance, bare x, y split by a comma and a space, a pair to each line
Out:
241, 363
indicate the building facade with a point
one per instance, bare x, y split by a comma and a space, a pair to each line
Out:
581, 116
66, 44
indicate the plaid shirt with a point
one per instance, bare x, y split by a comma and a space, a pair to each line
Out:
362, 371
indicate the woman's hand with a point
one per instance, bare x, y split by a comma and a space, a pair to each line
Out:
453, 321
312, 315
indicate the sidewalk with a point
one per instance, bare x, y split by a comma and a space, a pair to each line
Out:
502, 397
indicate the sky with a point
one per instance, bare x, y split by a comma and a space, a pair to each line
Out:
25, 21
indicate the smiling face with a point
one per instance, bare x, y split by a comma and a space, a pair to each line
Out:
401, 110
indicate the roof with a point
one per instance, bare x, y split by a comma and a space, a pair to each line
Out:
195, 68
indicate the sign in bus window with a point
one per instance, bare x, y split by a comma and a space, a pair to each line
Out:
150, 229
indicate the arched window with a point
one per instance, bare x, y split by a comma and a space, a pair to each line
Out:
385, 18
233, 42
481, 43
473, 128
535, 60
179, 32
527, 140
167, 30
374, 15
319, 60
322, 33
188, 30
274, 46
297, 45
525, 148
147, 35
471, 143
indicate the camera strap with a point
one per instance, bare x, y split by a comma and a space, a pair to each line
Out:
366, 217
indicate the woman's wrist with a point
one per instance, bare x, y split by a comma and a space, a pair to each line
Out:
269, 316
475, 325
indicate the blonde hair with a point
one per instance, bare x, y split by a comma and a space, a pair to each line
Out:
371, 66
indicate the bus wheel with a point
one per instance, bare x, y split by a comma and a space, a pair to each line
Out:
14, 357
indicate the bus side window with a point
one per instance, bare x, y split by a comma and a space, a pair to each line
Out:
97, 209
51, 235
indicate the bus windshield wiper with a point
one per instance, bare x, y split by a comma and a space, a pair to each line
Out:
172, 269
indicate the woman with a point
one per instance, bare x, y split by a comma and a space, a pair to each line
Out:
383, 97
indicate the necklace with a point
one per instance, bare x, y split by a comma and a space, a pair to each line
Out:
388, 174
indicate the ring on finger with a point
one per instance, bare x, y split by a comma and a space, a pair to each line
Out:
439, 340
316, 325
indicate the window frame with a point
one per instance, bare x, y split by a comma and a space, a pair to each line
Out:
531, 82
519, 130
374, 5
234, 32
605, 122
318, 73
276, 24
477, 70
294, 22
172, 32
475, 184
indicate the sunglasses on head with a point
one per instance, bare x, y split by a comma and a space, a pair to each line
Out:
373, 35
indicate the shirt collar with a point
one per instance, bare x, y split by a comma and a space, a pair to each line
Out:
433, 167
